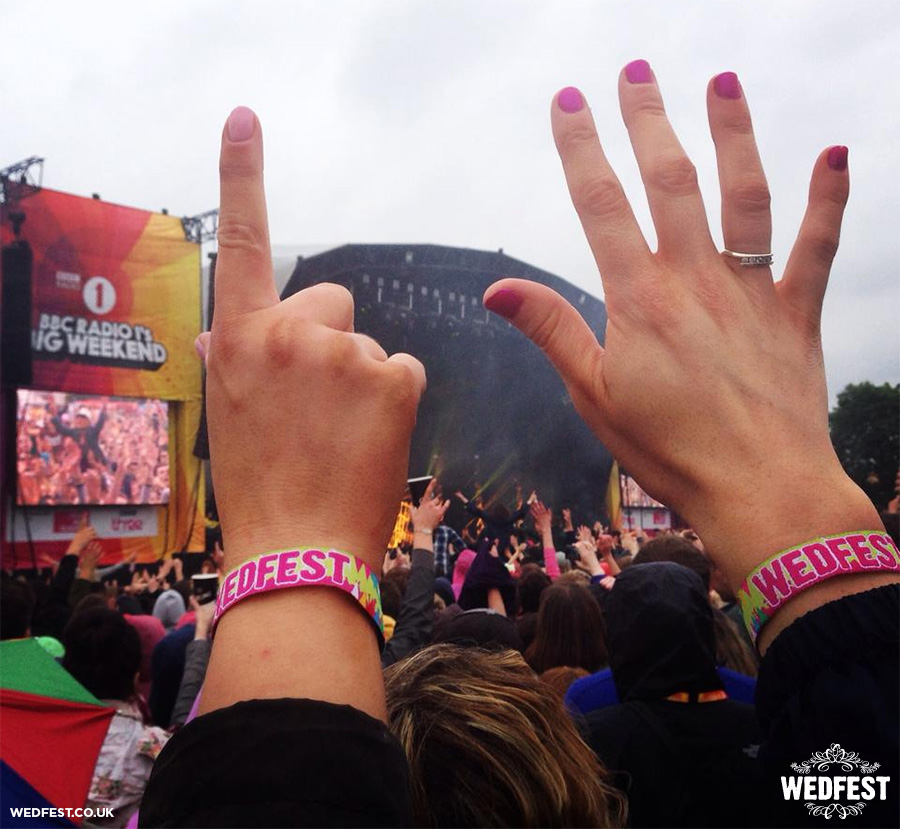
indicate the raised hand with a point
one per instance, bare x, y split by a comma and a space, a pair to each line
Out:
352, 408
587, 557
203, 616
693, 318
543, 517
87, 559
83, 535
429, 514
301, 410
585, 534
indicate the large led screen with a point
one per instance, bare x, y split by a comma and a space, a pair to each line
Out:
87, 449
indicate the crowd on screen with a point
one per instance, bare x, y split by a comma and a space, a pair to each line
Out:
91, 450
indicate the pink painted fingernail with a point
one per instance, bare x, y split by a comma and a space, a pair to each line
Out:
727, 85
570, 100
638, 71
505, 302
837, 158
201, 351
241, 124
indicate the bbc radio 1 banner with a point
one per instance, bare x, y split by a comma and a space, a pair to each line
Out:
115, 299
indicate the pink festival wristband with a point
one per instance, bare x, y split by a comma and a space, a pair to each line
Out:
304, 567
790, 572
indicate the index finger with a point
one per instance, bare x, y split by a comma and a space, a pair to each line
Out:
244, 278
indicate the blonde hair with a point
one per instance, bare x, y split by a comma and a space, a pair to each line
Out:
489, 745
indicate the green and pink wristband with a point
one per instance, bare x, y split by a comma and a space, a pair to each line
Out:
790, 572
303, 567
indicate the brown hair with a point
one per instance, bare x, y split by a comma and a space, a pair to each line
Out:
570, 630
732, 650
487, 744
559, 679
677, 549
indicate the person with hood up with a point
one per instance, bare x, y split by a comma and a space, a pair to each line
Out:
682, 751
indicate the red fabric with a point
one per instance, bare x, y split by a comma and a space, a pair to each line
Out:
186, 618
53, 744
150, 630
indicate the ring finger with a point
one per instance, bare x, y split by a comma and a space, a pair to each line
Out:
746, 213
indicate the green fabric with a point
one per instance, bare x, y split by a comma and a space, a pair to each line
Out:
25, 666
53, 646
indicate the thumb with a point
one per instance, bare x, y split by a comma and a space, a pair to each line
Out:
202, 346
553, 325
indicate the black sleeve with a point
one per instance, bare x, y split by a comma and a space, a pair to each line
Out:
475, 511
416, 620
286, 762
519, 514
833, 676
61, 427
63, 579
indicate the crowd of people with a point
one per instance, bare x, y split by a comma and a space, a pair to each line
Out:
91, 450
496, 637
546, 672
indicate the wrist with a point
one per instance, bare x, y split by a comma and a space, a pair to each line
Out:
775, 519
246, 542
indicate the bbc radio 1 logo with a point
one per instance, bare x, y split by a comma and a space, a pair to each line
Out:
824, 793
97, 292
99, 295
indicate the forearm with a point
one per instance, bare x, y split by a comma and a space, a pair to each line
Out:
551, 565
424, 540
196, 662
261, 642
738, 541
416, 619
612, 564
495, 601
104, 572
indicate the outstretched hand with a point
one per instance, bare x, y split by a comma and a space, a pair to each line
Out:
301, 408
83, 535
429, 514
692, 318
543, 517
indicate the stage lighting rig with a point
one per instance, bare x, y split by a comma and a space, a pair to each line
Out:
202, 227
18, 181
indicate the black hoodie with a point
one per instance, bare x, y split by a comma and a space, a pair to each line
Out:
680, 763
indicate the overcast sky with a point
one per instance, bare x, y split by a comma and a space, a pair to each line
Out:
429, 121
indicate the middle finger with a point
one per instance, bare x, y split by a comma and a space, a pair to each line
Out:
668, 174
746, 214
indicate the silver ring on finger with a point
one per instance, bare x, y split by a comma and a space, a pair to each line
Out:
750, 260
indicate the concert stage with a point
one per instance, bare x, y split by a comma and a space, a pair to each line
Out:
495, 412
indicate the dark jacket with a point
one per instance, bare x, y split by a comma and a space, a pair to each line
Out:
679, 763
416, 619
486, 573
88, 440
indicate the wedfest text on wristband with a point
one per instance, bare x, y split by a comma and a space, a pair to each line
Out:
303, 567
790, 572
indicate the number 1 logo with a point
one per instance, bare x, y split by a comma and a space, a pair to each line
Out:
99, 295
